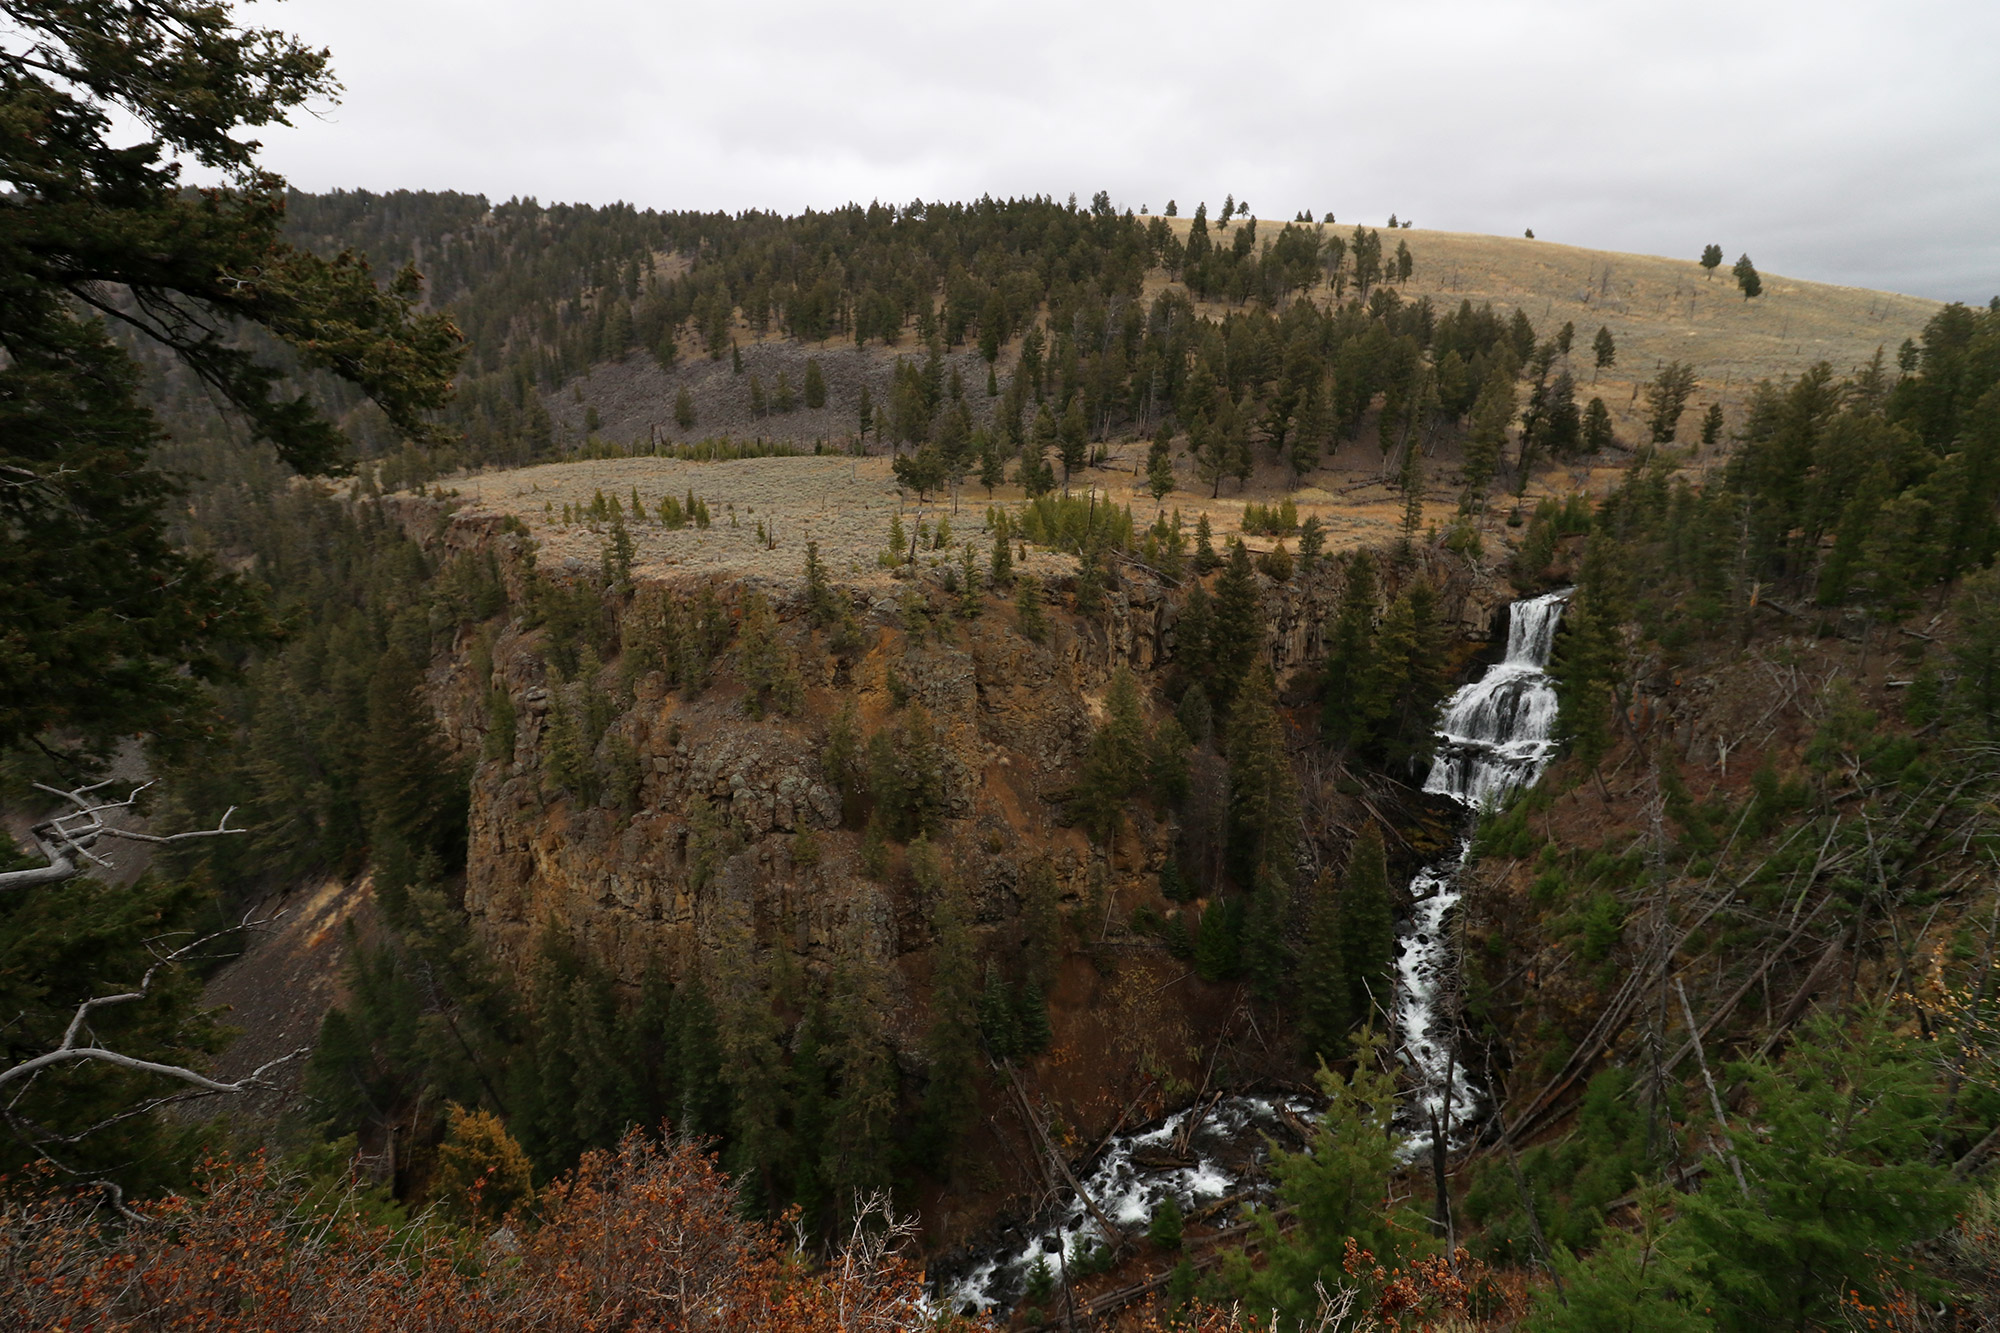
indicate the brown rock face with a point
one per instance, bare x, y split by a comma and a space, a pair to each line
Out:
735, 826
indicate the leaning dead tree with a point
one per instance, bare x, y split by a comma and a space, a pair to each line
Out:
67, 841
79, 1041
70, 844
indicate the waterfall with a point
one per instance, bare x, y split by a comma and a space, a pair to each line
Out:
1495, 736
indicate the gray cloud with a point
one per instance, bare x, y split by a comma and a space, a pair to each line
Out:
1845, 142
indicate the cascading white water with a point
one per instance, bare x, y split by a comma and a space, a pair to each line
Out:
1135, 1172
1495, 736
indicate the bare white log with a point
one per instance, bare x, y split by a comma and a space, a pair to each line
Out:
67, 841
79, 1043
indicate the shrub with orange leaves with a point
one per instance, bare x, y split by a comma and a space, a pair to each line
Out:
647, 1237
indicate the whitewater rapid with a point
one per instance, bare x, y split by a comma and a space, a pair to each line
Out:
1128, 1180
1495, 736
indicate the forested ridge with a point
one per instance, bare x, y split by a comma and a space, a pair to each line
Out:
961, 878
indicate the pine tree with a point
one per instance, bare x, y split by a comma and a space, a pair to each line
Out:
615, 560
1367, 926
1401, 695
1194, 644
415, 798
1350, 655
1160, 462
1746, 277
1842, 1171
1334, 1188
858, 1147
1325, 1010
1711, 257
1263, 800
1597, 434
1031, 1018
1590, 657
1605, 348
999, 1015
1205, 559
1002, 568
950, 1095
1218, 950
1074, 434
750, 1042
695, 1044
866, 412
1521, 333
1666, 399
1486, 440
815, 384
1238, 638
1213, 459
768, 666
684, 409
1167, 762
1711, 424
992, 468
908, 775
1411, 481
1034, 626
1114, 763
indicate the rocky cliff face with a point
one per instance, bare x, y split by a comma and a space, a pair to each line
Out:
735, 826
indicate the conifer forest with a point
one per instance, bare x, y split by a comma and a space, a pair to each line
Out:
1017, 763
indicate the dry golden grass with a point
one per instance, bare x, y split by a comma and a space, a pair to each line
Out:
1658, 310
844, 504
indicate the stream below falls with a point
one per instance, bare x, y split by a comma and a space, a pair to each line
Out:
1495, 736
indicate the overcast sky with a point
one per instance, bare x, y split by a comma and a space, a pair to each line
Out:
1837, 140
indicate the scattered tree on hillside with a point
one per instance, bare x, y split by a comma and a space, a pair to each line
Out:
1711, 424
1711, 256
1746, 277
1486, 441
1606, 349
1666, 399
815, 384
1160, 462
1597, 433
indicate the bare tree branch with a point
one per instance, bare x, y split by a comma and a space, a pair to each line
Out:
79, 1043
66, 841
